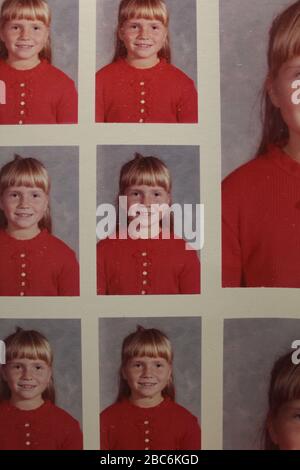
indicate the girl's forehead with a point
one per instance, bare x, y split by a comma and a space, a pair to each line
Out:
15, 187
25, 360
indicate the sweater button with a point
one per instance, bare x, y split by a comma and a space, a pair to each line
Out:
28, 434
23, 274
22, 111
145, 273
142, 101
22, 255
23, 94
22, 294
142, 83
28, 443
143, 292
20, 122
147, 440
27, 425
22, 85
144, 253
142, 110
147, 448
141, 120
22, 103
146, 422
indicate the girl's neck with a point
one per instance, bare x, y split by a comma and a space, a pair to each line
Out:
150, 402
27, 405
142, 63
23, 234
23, 64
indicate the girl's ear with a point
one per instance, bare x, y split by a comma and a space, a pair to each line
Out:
120, 33
271, 90
123, 373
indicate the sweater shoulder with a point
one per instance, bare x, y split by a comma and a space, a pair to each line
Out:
253, 170
57, 74
178, 73
181, 413
58, 244
62, 416
108, 70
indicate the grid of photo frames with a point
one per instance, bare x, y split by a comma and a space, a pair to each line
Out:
85, 291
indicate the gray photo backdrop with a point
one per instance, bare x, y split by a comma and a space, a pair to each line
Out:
251, 346
244, 29
64, 35
65, 340
183, 33
185, 336
62, 164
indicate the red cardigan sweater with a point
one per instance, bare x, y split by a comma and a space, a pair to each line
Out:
168, 426
42, 266
151, 266
42, 95
161, 93
46, 428
261, 223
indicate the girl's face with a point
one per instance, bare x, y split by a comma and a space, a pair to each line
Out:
281, 91
285, 427
145, 200
24, 207
24, 40
147, 377
27, 379
143, 40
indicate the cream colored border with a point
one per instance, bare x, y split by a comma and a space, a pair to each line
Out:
214, 304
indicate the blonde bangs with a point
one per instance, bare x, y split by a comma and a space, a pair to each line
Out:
147, 9
27, 172
32, 10
150, 171
28, 344
147, 343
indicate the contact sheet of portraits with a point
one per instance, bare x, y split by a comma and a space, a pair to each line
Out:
144, 304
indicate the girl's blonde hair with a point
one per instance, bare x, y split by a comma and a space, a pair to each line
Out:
148, 342
28, 344
141, 170
284, 387
28, 172
284, 45
149, 10
32, 10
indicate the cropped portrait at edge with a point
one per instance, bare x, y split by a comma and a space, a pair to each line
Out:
40, 385
261, 198
35, 207
38, 62
146, 61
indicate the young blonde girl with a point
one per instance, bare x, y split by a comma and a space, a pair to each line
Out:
261, 199
282, 424
33, 262
30, 420
33, 90
145, 415
141, 85
148, 260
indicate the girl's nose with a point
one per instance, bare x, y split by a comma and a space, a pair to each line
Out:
147, 200
147, 372
27, 375
143, 32
24, 201
24, 33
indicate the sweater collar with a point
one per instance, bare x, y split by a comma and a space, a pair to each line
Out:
156, 68
14, 241
23, 74
283, 160
17, 411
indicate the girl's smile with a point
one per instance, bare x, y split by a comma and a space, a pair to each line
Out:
24, 40
143, 40
24, 207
